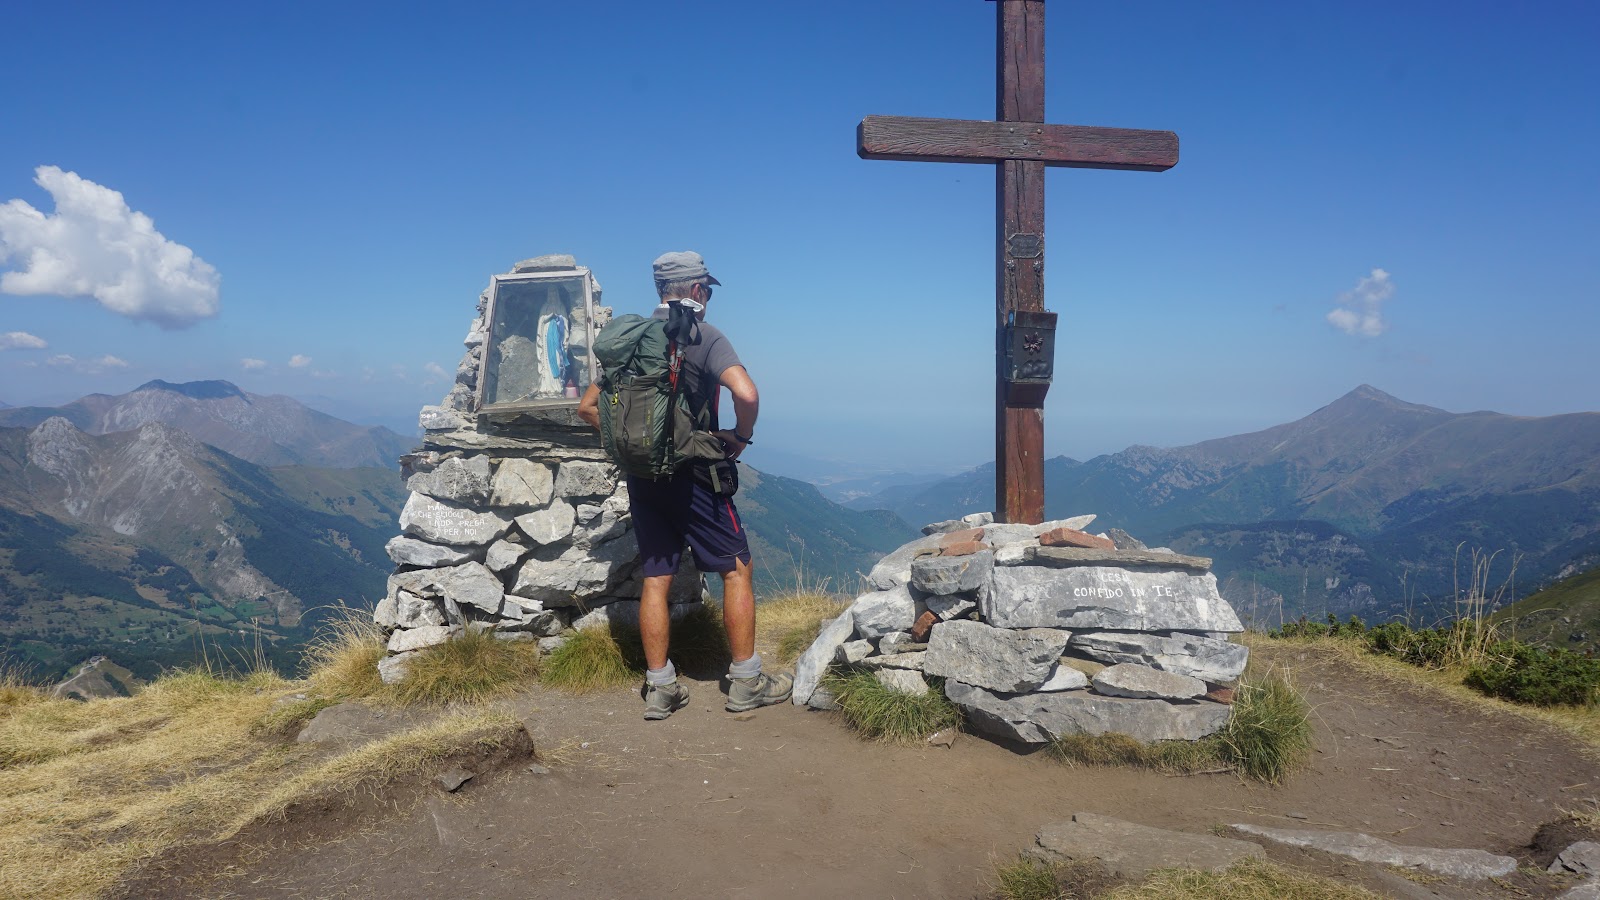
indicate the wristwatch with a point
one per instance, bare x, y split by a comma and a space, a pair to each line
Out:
744, 439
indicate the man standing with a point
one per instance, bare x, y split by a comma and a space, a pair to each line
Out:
678, 508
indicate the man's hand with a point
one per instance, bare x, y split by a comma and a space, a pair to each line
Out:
731, 443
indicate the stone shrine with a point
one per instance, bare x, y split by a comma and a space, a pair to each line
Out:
517, 522
1040, 631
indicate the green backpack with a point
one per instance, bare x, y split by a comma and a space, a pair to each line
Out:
646, 425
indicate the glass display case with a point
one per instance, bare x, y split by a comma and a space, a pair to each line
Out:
541, 334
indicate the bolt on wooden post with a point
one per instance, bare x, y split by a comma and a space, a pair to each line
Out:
1022, 145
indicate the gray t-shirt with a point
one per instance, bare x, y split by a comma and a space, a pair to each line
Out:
704, 361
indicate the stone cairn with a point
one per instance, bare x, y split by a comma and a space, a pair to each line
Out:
1041, 631
517, 527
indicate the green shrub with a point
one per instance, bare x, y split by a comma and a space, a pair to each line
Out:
1527, 674
881, 714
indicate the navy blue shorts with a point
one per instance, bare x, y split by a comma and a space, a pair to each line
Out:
673, 510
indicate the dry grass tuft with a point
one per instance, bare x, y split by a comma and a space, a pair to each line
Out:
1252, 879
342, 660
92, 789
471, 667
17, 690
374, 765
592, 659
1268, 736
787, 624
881, 714
1032, 879
289, 715
1170, 757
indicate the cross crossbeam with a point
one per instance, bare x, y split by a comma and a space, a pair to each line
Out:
1021, 145
967, 140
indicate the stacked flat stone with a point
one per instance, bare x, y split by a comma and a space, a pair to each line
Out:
1040, 631
524, 532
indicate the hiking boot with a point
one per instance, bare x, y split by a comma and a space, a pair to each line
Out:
759, 690
663, 700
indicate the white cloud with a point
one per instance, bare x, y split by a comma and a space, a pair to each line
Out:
95, 245
435, 373
299, 361
321, 373
21, 340
249, 364
96, 366
1360, 312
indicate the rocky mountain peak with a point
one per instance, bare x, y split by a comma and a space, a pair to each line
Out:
198, 390
161, 437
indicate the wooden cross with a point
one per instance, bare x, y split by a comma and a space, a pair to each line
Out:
1023, 145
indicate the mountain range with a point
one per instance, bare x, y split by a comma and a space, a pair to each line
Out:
164, 523
267, 430
153, 545
1369, 505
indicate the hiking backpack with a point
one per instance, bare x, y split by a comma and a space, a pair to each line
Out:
646, 425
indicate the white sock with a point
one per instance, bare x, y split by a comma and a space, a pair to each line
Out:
746, 668
665, 675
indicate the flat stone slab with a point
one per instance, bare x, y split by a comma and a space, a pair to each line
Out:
851, 652
1064, 678
951, 574
1102, 597
1076, 523
405, 640
1001, 659
1072, 537
1206, 658
902, 681
895, 568
911, 661
1040, 717
409, 551
352, 724
880, 613
1468, 865
549, 525
1130, 680
521, 483
808, 670
950, 606
440, 523
470, 583
1582, 857
1134, 850
457, 480
1068, 557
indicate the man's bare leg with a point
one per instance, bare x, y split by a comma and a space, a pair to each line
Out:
748, 686
655, 625
738, 611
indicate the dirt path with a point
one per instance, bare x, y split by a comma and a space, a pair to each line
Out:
788, 803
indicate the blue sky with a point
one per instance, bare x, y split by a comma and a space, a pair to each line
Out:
355, 172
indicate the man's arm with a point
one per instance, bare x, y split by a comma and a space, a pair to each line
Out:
589, 407
746, 406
